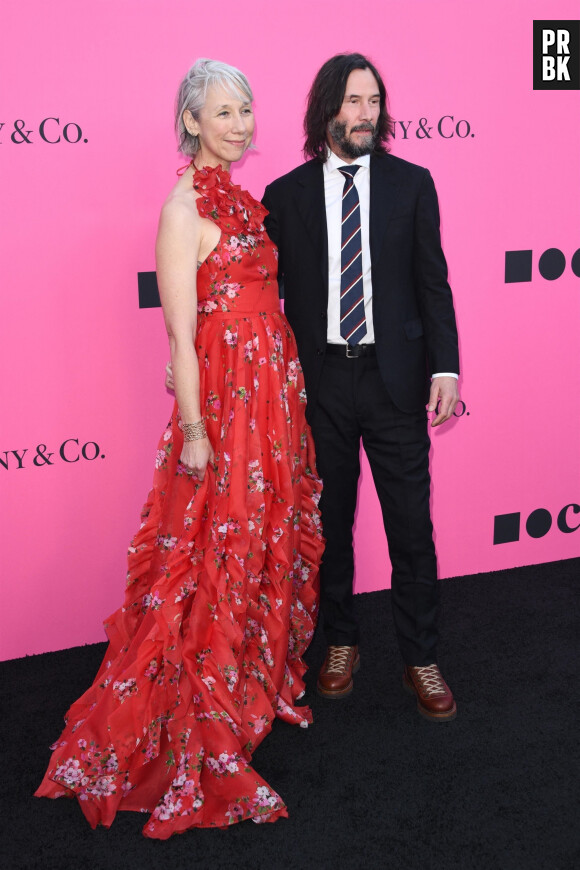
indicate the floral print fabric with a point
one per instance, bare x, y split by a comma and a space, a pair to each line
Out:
221, 598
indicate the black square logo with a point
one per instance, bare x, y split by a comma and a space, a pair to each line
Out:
148, 290
518, 266
506, 528
556, 55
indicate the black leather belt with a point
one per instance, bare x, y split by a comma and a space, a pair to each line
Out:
351, 351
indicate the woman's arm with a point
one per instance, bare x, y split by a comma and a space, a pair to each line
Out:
179, 239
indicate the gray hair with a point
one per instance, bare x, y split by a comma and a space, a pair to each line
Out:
192, 94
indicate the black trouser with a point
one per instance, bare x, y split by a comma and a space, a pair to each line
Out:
352, 404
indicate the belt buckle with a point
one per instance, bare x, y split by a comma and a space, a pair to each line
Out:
350, 355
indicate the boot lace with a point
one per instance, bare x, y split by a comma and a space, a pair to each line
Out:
430, 679
338, 659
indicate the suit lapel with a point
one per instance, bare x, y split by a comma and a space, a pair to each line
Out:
311, 208
312, 211
385, 184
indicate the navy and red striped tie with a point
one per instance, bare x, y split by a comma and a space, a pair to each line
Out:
352, 308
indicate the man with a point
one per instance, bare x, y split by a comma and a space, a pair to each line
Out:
366, 293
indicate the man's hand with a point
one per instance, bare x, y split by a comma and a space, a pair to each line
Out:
169, 382
445, 393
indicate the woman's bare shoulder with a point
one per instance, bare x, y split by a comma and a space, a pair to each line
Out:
179, 209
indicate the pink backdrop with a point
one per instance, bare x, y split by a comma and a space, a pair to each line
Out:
81, 361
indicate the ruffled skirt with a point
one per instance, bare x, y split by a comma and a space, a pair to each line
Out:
220, 605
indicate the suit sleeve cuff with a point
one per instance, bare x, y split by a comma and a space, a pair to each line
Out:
445, 375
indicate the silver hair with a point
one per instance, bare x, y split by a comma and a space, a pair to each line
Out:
192, 94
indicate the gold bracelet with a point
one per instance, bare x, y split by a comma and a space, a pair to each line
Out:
194, 431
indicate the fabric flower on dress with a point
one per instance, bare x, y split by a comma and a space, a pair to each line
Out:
227, 203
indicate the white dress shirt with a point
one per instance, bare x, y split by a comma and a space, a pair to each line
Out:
333, 189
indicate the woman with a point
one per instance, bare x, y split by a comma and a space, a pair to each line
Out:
221, 596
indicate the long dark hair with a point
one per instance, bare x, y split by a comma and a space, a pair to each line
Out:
325, 100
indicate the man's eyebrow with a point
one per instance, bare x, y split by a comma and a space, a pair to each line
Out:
350, 96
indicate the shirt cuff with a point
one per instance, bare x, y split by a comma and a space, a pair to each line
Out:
445, 375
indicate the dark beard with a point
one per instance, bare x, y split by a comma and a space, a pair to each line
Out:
337, 132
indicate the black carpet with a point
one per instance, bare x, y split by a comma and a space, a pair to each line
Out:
371, 784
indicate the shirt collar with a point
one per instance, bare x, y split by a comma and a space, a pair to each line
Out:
334, 162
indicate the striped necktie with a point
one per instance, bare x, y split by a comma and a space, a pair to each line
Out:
352, 309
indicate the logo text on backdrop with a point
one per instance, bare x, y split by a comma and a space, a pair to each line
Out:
71, 450
551, 265
50, 130
506, 527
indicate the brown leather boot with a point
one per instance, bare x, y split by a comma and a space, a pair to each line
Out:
434, 698
335, 677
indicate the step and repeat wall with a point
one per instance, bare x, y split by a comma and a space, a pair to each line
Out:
87, 157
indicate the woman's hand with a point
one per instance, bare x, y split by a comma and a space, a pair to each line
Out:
196, 455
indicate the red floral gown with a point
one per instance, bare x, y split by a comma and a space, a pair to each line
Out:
221, 598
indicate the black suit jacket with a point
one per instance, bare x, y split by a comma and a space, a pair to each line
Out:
413, 316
